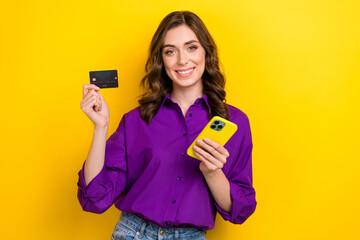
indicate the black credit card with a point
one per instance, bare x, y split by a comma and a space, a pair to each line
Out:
104, 79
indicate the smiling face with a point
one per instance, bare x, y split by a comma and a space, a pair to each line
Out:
183, 57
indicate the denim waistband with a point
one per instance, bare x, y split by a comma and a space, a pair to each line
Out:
141, 227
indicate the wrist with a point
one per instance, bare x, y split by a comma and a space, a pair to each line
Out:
212, 174
101, 129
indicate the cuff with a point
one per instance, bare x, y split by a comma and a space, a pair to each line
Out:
96, 186
236, 195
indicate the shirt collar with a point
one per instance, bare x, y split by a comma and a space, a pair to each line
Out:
204, 98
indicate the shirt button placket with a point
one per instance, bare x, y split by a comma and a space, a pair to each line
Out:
174, 196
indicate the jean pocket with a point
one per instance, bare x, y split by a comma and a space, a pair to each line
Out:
122, 233
197, 235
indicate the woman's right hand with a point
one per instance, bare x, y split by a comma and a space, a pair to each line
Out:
94, 106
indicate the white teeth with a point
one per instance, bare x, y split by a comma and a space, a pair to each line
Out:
185, 72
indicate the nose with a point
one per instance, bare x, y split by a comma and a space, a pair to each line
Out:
182, 58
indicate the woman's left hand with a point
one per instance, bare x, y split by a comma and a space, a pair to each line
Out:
213, 158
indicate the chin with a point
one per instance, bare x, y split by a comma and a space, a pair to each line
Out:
187, 83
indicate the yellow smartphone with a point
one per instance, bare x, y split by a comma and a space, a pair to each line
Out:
218, 129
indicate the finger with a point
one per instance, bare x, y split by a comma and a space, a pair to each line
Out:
207, 163
99, 97
90, 102
92, 94
86, 92
100, 104
217, 147
87, 87
207, 156
88, 105
214, 152
96, 105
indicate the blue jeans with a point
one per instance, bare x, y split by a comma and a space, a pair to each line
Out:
131, 227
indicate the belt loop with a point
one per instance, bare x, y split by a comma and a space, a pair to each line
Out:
142, 229
159, 233
176, 233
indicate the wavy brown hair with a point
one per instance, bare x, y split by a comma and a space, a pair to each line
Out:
157, 83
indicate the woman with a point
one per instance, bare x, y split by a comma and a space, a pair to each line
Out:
143, 167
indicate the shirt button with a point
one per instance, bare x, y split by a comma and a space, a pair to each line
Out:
174, 201
190, 114
179, 178
182, 154
185, 134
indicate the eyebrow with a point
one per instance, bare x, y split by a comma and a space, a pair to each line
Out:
188, 42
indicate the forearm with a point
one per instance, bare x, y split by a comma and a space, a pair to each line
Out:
95, 160
220, 189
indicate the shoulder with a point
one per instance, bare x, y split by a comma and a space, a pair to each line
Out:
132, 116
237, 116
131, 119
133, 112
243, 134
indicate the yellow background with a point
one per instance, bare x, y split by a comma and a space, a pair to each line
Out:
291, 66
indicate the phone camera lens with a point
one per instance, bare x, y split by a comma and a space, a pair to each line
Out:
213, 126
220, 127
216, 122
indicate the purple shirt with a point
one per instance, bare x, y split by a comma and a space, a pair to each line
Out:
147, 171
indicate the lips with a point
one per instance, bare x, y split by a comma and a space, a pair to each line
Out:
185, 72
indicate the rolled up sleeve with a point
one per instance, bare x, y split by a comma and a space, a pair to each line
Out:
103, 190
239, 176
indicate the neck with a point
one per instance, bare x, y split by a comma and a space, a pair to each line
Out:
186, 97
